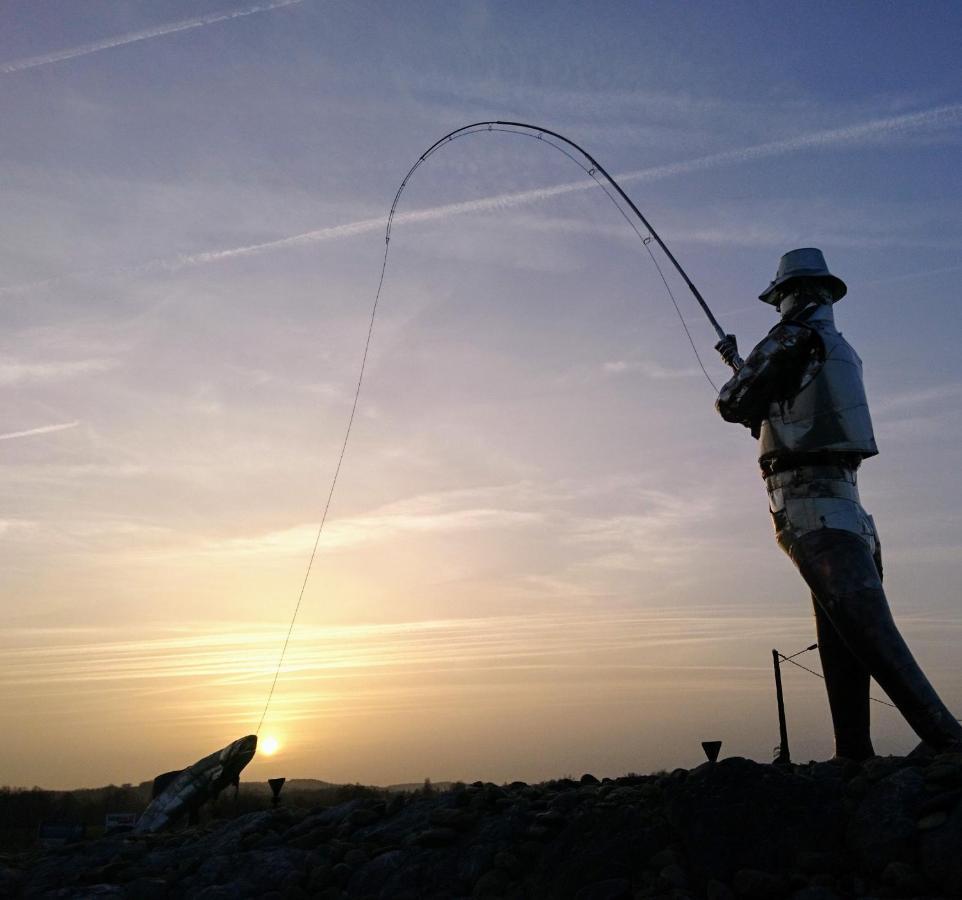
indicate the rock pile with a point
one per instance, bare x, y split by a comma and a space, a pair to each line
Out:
733, 829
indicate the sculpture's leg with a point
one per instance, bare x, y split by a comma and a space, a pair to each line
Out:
839, 569
847, 686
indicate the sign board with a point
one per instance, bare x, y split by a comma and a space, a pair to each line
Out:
117, 820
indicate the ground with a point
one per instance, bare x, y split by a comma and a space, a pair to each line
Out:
891, 827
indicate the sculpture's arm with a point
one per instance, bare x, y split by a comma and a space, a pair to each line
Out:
771, 368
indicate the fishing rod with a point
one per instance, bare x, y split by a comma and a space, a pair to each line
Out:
595, 167
593, 170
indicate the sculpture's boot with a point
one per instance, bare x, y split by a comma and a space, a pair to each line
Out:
847, 686
839, 569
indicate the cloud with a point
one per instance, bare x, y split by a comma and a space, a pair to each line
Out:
919, 273
396, 519
132, 37
651, 369
942, 116
225, 654
43, 429
911, 400
19, 372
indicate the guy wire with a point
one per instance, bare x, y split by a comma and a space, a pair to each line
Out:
788, 659
592, 172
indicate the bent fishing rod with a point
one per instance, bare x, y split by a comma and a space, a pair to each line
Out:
593, 169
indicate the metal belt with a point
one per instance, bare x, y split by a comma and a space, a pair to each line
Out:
815, 481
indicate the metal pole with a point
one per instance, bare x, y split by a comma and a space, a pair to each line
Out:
783, 754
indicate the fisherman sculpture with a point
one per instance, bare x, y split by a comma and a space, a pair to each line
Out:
800, 393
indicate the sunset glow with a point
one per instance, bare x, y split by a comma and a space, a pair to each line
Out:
546, 553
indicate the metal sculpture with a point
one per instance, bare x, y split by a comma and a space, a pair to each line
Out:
196, 785
800, 393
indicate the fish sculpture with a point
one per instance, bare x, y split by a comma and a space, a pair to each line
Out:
190, 789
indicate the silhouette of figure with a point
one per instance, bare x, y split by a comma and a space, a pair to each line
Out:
800, 392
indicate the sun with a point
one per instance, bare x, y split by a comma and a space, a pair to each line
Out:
270, 745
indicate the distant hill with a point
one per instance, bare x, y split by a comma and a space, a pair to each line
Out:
418, 786
315, 784
292, 784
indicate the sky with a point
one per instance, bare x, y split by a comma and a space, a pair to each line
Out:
546, 554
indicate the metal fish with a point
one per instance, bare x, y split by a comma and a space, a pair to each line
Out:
197, 784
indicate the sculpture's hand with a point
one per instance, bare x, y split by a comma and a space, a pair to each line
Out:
727, 348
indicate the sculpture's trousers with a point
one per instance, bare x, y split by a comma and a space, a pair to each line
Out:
821, 525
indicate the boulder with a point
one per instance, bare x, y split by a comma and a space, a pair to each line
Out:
883, 827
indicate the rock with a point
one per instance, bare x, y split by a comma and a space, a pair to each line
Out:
674, 875
932, 820
945, 800
857, 787
362, 817
146, 889
904, 879
451, 818
611, 889
818, 863
10, 880
755, 884
939, 853
880, 767
664, 858
945, 774
815, 892
371, 880
217, 892
436, 837
718, 890
491, 884
313, 838
733, 828
624, 795
509, 863
356, 857
321, 877
737, 814
882, 829
550, 819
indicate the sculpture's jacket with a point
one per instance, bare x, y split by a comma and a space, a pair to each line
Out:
801, 391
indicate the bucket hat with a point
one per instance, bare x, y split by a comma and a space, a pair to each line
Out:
806, 262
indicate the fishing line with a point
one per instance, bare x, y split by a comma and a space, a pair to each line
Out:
594, 169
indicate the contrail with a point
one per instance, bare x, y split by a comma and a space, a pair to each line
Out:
851, 133
31, 62
941, 115
44, 429
911, 276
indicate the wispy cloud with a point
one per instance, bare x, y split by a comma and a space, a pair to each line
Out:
430, 513
942, 116
224, 655
132, 37
912, 400
20, 372
43, 429
919, 273
651, 369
